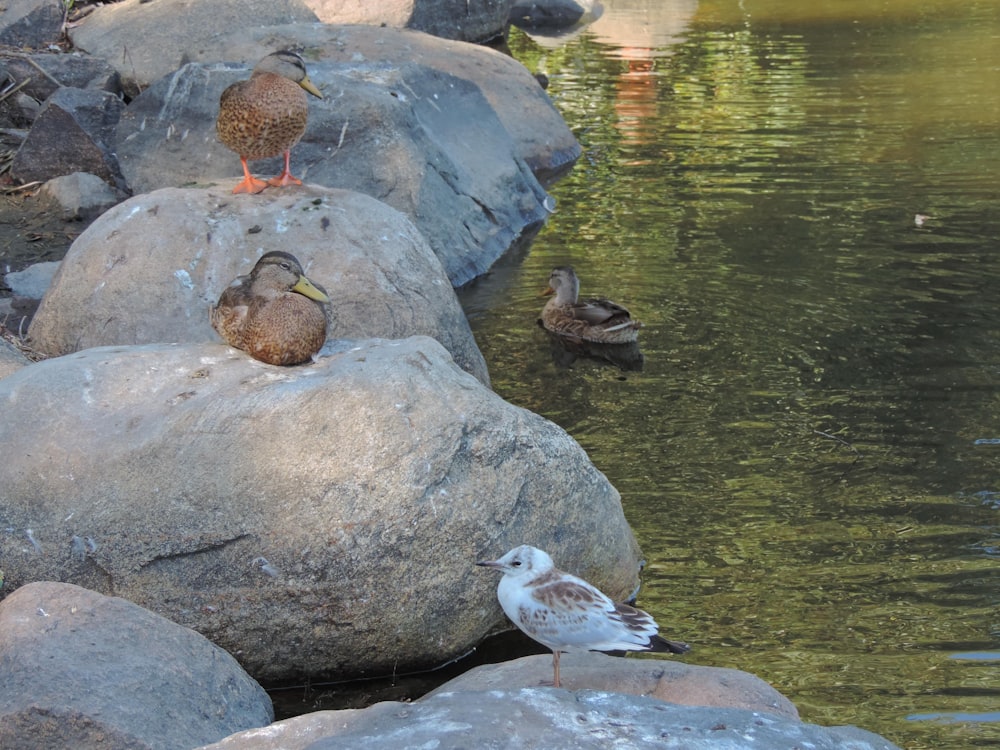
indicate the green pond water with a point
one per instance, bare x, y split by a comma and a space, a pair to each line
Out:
801, 201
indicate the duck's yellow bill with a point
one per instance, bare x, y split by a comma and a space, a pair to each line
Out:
306, 287
308, 86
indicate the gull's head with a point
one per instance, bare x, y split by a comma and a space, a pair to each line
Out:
521, 561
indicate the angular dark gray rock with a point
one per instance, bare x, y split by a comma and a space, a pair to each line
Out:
47, 71
72, 133
32, 24
79, 669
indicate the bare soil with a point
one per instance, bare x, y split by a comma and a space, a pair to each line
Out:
31, 231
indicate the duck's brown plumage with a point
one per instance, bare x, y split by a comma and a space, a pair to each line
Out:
266, 116
597, 320
275, 314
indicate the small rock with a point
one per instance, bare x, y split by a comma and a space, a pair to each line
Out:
470, 21
81, 196
11, 360
33, 281
546, 14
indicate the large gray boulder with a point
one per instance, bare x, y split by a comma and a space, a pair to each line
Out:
145, 41
174, 32
545, 718
384, 57
314, 521
540, 135
147, 270
450, 134
79, 669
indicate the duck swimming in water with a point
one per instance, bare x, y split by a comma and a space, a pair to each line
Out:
597, 320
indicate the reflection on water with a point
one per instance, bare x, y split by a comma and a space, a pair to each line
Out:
642, 29
808, 455
566, 351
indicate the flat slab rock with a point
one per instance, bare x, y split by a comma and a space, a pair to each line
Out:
655, 676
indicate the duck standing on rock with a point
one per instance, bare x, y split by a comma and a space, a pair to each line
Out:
275, 314
266, 116
597, 320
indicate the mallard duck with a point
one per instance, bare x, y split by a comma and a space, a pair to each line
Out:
598, 320
275, 314
266, 115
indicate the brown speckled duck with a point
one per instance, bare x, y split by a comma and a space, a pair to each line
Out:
597, 320
266, 116
275, 314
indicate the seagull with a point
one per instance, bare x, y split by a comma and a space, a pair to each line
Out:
565, 613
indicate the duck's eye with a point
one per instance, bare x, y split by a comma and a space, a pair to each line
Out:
285, 266
516, 564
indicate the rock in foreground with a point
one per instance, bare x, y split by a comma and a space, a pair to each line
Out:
78, 669
546, 718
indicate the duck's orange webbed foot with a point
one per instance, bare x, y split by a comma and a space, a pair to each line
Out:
250, 183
